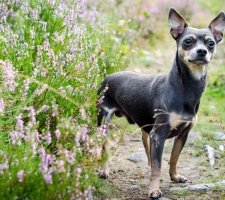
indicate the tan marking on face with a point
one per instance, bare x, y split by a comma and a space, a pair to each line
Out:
182, 53
198, 71
194, 37
208, 37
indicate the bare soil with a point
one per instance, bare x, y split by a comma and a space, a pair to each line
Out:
132, 179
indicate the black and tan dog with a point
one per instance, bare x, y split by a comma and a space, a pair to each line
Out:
164, 106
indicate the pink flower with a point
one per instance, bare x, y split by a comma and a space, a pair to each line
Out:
83, 114
2, 106
57, 133
16, 137
8, 76
84, 133
4, 166
38, 91
60, 165
79, 170
70, 156
43, 109
48, 178
48, 138
46, 162
20, 175
96, 152
20, 123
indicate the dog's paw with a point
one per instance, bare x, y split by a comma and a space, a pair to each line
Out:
156, 194
104, 172
103, 175
178, 178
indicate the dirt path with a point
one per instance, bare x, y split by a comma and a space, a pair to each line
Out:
132, 179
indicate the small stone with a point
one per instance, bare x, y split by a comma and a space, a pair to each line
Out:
193, 136
137, 157
221, 147
200, 187
90, 195
219, 136
134, 187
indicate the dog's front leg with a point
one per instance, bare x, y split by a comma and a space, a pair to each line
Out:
157, 139
179, 142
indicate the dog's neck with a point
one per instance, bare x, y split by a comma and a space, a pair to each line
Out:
182, 75
189, 73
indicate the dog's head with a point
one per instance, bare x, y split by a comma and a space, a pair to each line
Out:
196, 46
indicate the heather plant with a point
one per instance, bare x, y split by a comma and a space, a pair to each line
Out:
52, 58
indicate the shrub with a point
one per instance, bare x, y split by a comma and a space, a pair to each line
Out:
52, 58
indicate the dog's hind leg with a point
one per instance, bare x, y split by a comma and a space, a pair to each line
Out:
101, 114
178, 145
104, 172
146, 143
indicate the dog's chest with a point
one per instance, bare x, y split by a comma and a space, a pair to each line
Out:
176, 120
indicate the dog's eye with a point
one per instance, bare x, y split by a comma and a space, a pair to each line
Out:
188, 42
211, 44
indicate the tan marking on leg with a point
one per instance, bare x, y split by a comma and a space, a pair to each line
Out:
146, 143
174, 157
177, 147
174, 175
154, 190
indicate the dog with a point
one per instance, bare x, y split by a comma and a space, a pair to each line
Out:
163, 106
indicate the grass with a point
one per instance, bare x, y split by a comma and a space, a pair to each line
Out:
213, 5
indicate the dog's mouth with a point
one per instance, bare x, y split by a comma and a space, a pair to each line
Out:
199, 61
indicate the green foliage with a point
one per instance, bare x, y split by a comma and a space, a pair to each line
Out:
214, 6
51, 65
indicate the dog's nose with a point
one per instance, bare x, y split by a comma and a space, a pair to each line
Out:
201, 52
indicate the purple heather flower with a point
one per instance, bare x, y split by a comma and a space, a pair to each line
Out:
70, 156
8, 76
57, 133
2, 106
84, 133
48, 138
79, 170
48, 178
4, 166
60, 165
20, 124
20, 175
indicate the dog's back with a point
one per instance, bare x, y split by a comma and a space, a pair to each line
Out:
132, 97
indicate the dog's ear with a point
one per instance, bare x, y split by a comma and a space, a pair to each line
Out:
177, 23
217, 27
